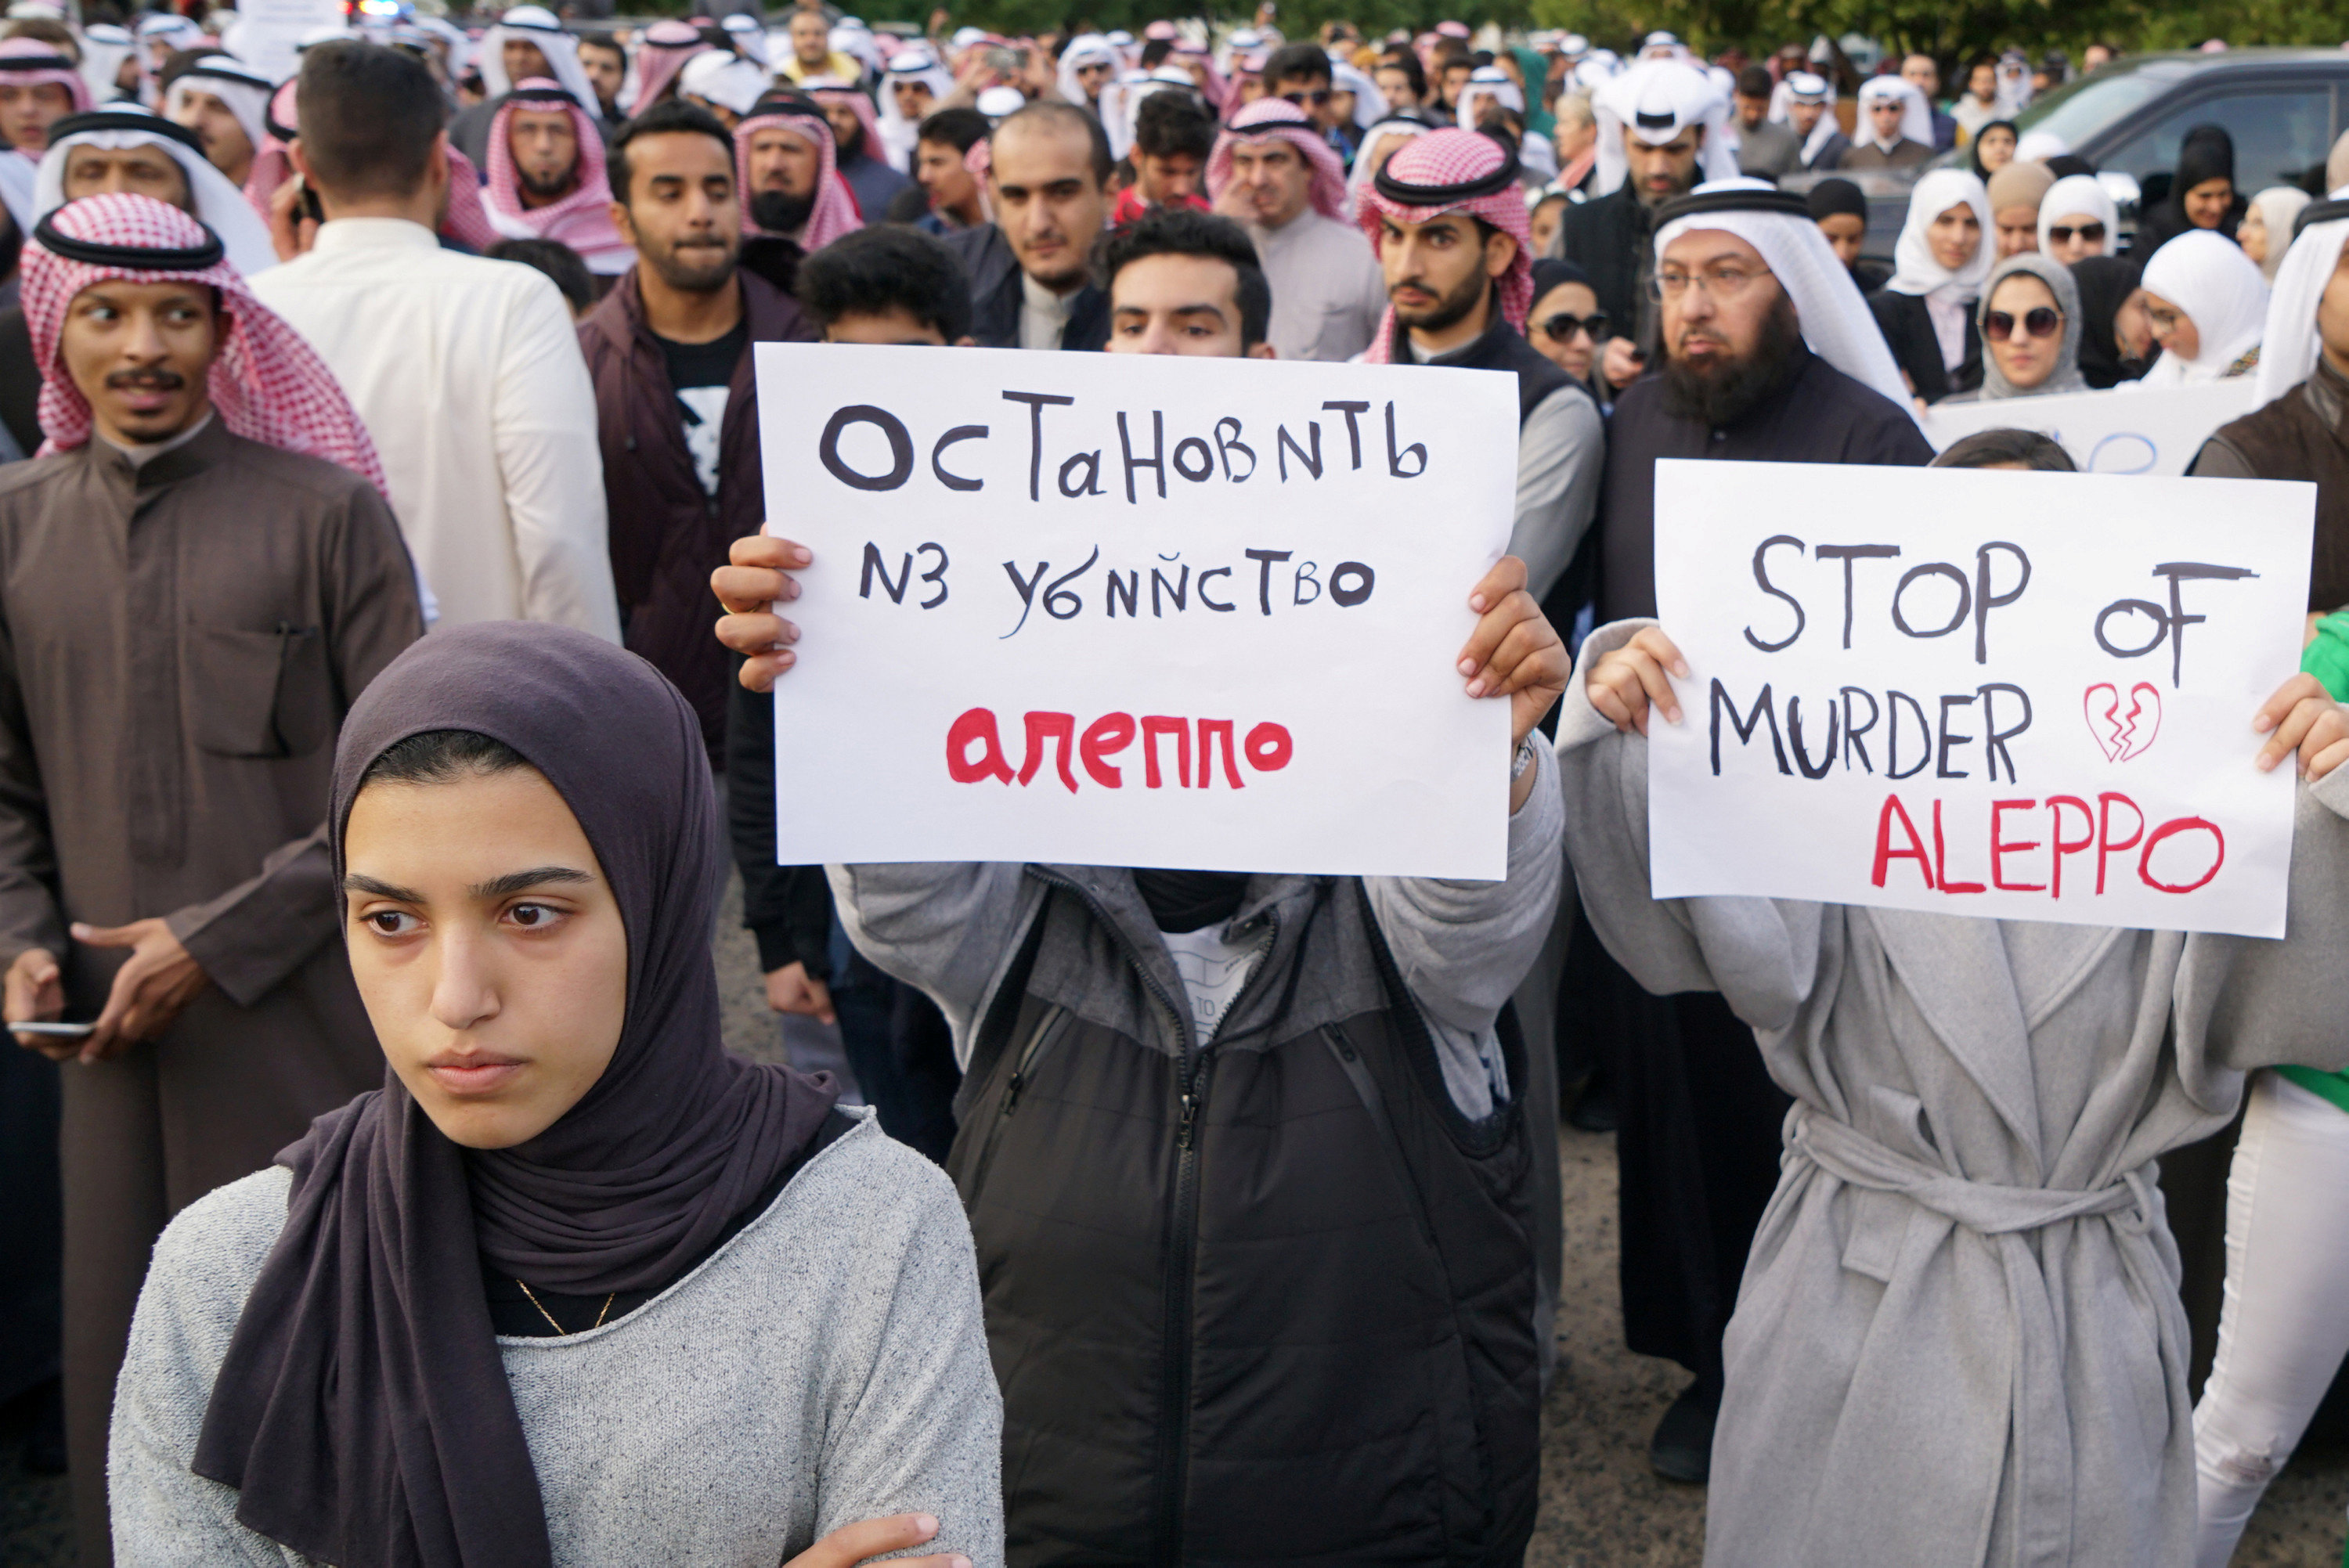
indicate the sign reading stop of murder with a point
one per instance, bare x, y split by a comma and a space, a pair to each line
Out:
1147, 611
2025, 696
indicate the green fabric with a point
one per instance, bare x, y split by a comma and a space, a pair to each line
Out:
2334, 1087
1539, 121
2327, 658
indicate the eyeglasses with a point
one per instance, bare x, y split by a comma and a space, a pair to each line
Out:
1726, 280
1316, 98
2040, 322
2092, 233
1562, 327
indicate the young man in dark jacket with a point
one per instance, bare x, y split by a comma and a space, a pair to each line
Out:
1048, 171
1257, 1245
669, 353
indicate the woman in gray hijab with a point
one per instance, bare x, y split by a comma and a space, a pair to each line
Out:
2030, 319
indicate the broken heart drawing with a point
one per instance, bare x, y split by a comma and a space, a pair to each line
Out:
2122, 734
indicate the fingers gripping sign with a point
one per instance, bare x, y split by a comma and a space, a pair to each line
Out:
870, 1539
752, 586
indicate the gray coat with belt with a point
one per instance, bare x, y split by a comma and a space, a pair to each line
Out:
1959, 1340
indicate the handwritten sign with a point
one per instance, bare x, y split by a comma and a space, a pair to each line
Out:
1148, 611
2123, 431
2025, 696
270, 31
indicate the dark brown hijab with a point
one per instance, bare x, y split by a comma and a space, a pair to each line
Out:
363, 1411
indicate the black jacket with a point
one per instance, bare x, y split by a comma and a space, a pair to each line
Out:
1817, 415
1908, 332
1610, 239
993, 272
1267, 1300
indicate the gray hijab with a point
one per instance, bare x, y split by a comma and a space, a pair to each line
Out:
2066, 377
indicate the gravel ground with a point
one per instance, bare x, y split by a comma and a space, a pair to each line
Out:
1602, 1507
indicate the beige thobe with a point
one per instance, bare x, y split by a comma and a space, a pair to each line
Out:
179, 643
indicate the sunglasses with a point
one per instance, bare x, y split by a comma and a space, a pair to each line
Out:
2042, 321
1562, 327
1316, 98
2092, 233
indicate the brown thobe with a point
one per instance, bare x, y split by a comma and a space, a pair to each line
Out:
179, 643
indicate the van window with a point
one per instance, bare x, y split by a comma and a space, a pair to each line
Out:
2281, 137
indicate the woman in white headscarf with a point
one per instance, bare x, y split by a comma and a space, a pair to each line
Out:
2077, 219
1926, 312
2265, 232
2208, 307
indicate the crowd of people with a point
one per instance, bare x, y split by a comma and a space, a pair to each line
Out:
377, 444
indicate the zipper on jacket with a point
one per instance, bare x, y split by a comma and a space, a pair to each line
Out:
1047, 1031
1182, 1264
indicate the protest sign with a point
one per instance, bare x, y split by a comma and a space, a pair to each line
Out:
2025, 696
1150, 611
2127, 430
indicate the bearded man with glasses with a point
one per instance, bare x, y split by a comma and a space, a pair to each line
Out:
1769, 354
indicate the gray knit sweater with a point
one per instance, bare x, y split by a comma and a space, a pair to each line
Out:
827, 1365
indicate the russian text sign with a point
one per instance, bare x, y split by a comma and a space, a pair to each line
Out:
2025, 696
1152, 611
2154, 432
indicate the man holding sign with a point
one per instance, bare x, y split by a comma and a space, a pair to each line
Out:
1243, 1154
1959, 1327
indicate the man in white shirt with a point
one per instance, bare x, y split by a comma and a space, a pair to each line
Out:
1272, 170
467, 371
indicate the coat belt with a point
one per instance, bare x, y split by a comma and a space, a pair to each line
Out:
2004, 1216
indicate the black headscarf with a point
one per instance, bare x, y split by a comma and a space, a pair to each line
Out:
2105, 283
363, 1410
2206, 153
1837, 198
1548, 274
1191, 900
1973, 147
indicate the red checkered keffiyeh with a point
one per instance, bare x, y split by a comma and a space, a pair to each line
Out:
1445, 171
1266, 119
583, 220
32, 62
267, 384
661, 52
833, 91
834, 214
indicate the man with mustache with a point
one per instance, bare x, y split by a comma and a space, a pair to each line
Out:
677, 418
794, 199
547, 177
1030, 270
1768, 354
224, 103
168, 712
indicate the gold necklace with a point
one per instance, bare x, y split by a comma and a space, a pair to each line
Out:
558, 1329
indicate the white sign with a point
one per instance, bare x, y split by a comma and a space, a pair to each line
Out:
2025, 696
1148, 611
2123, 431
268, 32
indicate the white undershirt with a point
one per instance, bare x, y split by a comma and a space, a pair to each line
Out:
1043, 314
1213, 972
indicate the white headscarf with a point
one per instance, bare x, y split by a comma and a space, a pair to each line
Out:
749, 39
1836, 322
2207, 275
244, 90
2289, 344
1915, 269
104, 48
2039, 146
898, 134
1916, 114
1809, 87
1493, 82
1656, 100
536, 24
2278, 206
220, 204
1359, 180
1086, 50
719, 78
2081, 196
1370, 103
